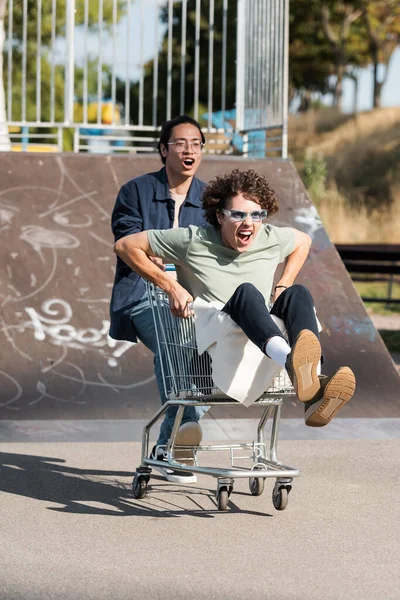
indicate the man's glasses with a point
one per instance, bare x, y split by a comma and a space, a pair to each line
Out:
240, 215
181, 146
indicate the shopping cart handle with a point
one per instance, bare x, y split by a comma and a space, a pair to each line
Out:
172, 269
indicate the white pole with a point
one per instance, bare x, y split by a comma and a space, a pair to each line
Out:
70, 63
240, 64
5, 144
285, 94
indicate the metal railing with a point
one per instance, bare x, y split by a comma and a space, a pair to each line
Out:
261, 79
103, 75
374, 263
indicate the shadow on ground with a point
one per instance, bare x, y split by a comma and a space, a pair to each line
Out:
101, 492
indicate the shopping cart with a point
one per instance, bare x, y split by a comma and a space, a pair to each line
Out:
188, 382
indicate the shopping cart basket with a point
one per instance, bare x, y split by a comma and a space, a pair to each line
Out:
188, 382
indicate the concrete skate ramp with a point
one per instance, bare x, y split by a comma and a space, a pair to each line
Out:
56, 274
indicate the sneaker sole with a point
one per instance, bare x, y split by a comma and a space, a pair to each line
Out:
189, 434
337, 393
306, 355
176, 477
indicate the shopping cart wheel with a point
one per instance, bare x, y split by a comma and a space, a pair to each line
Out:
224, 491
256, 484
222, 498
280, 495
139, 485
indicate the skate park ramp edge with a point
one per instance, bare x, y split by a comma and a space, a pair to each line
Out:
57, 269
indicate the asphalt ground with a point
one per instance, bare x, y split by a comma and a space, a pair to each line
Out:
71, 528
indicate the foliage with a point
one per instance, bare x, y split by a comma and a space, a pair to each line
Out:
314, 174
46, 18
332, 38
382, 22
190, 64
326, 39
57, 71
361, 201
329, 38
310, 58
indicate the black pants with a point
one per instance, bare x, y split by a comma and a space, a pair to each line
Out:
294, 306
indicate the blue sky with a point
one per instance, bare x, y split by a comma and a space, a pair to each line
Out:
390, 92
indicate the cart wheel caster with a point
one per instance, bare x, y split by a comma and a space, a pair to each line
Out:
139, 485
224, 491
222, 498
256, 484
280, 496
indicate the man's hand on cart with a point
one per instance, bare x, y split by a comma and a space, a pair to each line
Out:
157, 261
180, 301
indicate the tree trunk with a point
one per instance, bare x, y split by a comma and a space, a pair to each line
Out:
305, 103
378, 85
354, 78
355, 97
374, 52
5, 144
377, 94
338, 93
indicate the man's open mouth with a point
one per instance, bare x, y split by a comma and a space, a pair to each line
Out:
244, 236
188, 162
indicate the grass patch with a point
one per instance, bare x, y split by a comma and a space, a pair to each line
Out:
391, 339
379, 289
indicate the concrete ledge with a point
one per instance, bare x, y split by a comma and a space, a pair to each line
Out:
223, 430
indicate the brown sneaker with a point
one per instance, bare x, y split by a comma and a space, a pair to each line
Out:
302, 363
335, 392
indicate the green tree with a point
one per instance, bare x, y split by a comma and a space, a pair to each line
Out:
326, 40
162, 70
314, 56
346, 40
51, 73
333, 38
310, 55
382, 21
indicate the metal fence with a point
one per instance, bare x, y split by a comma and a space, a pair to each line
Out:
103, 75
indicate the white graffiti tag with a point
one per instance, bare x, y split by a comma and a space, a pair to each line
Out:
57, 329
309, 218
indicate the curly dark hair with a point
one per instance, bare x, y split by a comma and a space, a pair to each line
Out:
252, 185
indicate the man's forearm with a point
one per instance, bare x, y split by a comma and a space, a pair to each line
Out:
139, 261
293, 265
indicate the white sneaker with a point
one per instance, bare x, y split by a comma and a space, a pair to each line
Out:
170, 474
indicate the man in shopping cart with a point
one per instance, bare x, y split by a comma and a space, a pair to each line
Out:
165, 199
227, 268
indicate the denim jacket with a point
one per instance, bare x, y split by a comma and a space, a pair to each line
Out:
144, 203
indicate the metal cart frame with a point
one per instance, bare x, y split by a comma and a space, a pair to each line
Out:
187, 381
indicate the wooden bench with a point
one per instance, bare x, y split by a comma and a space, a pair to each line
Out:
372, 262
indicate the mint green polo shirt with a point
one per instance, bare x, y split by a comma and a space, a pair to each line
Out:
209, 270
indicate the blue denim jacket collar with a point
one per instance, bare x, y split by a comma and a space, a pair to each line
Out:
162, 191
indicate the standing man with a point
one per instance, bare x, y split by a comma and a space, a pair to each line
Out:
165, 199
